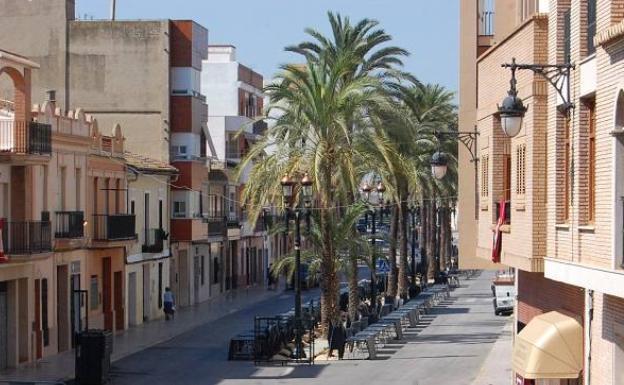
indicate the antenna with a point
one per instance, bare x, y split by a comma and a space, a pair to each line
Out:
112, 9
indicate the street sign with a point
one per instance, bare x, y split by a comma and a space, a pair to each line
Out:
382, 266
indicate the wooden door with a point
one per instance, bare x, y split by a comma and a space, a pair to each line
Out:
119, 301
4, 327
38, 334
146, 292
62, 308
107, 303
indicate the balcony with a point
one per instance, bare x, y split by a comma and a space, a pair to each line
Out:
27, 237
233, 220
21, 137
116, 227
507, 212
153, 241
486, 23
216, 224
69, 224
233, 151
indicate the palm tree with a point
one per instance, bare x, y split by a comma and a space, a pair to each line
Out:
310, 133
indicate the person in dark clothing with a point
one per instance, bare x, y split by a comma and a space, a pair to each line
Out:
337, 337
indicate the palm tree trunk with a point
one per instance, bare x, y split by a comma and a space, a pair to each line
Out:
424, 235
392, 274
353, 288
329, 278
403, 266
431, 245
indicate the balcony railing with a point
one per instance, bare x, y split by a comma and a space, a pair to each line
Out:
507, 211
113, 227
153, 241
69, 224
27, 237
233, 219
23, 137
216, 224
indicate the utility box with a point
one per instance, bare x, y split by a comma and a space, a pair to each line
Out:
93, 357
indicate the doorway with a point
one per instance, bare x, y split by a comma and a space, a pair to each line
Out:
107, 294
62, 307
37, 326
76, 308
196, 278
4, 326
146, 292
132, 300
119, 297
184, 284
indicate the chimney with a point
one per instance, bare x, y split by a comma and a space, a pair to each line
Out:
51, 96
112, 9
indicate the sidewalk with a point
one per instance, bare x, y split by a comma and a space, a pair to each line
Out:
60, 367
496, 369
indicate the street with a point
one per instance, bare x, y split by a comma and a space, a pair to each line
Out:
449, 347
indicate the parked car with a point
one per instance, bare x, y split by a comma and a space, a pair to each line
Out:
504, 297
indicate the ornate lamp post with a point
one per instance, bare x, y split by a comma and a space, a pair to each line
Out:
295, 210
380, 189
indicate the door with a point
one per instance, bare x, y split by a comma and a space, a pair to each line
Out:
146, 292
37, 327
119, 301
76, 308
107, 300
184, 282
63, 316
132, 299
4, 326
196, 278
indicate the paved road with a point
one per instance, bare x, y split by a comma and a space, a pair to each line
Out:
449, 347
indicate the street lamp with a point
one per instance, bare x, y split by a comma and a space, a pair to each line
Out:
380, 189
512, 110
439, 165
295, 210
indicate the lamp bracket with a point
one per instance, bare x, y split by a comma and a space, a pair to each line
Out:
467, 138
555, 74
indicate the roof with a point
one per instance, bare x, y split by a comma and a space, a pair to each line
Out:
143, 163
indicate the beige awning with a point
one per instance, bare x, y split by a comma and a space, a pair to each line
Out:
550, 346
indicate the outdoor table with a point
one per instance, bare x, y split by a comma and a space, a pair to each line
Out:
369, 340
397, 326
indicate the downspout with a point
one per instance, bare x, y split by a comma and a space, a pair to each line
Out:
589, 317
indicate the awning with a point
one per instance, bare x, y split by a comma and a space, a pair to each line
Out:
550, 346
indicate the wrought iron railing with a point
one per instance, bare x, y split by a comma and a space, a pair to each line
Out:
69, 224
486, 23
113, 227
24, 137
27, 237
153, 241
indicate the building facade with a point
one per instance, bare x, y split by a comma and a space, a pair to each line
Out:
63, 233
558, 181
234, 93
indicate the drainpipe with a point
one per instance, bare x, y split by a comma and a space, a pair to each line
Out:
589, 316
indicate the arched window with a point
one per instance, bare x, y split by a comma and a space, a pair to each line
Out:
618, 220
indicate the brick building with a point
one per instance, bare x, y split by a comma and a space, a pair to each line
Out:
560, 180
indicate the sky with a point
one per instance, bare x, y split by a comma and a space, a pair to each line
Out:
428, 29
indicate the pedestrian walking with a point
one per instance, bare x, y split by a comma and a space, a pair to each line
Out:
338, 336
169, 304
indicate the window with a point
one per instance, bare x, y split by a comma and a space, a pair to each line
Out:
507, 177
484, 176
520, 169
132, 207
215, 270
591, 161
45, 187
566, 171
591, 26
146, 212
63, 182
160, 214
179, 209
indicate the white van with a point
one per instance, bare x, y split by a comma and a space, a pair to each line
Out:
504, 297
